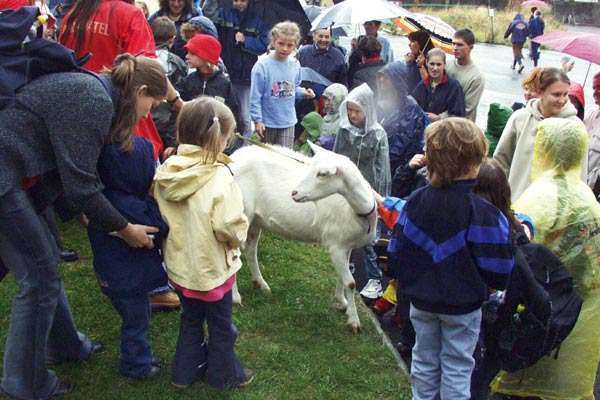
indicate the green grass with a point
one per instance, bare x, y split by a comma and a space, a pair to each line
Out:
477, 20
298, 345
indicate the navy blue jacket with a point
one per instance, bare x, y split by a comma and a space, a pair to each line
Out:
536, 27
127, 177
240, 58
518, 30
448, 246
329, 62
405, 121
446, 96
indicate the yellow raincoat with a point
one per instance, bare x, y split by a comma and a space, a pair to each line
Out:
203, 207
567, 220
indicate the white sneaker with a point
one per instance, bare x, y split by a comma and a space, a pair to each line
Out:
372, 289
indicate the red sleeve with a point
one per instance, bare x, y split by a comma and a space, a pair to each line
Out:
13, 4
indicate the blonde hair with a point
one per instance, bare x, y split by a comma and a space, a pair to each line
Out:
285, 28
203, 122
454, 146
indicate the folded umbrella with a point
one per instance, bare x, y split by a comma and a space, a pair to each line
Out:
354, 12
441, 33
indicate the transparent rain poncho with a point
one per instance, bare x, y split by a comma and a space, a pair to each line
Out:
367, 147
567, 220
336, 94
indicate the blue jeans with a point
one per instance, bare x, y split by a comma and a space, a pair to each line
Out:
40, 319
442, 358
136, 355
216, 356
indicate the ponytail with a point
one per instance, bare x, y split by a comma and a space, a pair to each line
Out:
129, 74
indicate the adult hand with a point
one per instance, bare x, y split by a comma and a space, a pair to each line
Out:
169, 151
378, 198
417, 161
239, 37
433, 117
137, 235
309, 93
421, 60
260, 128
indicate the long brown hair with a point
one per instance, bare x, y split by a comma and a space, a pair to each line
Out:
77, 21
493, 186
128, 74
203, 122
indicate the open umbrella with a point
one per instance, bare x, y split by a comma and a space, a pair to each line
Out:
354, 12
535, 3
274, 11
441, 33
578, 44
312, 12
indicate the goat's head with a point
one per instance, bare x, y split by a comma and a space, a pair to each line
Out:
324, 176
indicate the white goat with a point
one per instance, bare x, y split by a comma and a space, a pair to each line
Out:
323, 199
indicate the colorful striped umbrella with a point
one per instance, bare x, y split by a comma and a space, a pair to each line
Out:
441, 33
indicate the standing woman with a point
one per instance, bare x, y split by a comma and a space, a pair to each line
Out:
419, 43
56, 138
180, 12
439, 95
515, 147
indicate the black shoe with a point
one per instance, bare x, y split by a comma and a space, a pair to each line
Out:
68, 255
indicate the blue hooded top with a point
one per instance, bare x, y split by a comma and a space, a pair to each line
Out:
127, 177
518, 30
401, 117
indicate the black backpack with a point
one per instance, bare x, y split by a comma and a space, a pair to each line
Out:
25, 56
540, 309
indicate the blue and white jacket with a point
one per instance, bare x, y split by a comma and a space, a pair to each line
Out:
448, 246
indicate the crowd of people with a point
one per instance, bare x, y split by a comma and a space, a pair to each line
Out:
138, 150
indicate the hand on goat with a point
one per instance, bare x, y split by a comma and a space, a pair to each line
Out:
260, 128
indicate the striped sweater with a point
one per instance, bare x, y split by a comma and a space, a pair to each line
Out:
449, 245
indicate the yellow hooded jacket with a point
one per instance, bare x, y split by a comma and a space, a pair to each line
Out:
203, 207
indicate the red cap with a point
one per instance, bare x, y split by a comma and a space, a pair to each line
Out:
206, 47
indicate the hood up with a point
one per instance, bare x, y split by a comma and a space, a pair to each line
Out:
363, 97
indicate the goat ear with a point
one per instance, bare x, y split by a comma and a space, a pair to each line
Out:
327, 171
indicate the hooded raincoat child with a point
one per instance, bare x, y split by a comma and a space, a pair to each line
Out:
402, 118
336, 94
193, 250
515, 147
311, 123
567, 220
367, 147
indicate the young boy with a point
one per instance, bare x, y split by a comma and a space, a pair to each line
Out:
208, 79
448, 247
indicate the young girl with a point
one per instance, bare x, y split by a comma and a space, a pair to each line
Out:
364, 141
333, 97
203, 207
126, 168
275, 84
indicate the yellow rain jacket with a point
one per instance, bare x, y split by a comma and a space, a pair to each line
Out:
567, 220
203, 207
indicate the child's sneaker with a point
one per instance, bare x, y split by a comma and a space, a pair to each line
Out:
372, 289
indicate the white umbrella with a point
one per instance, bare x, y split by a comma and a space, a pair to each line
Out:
354, 12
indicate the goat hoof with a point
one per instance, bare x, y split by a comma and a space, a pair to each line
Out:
355, 327
237, 300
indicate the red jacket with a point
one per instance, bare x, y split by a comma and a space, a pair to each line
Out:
116, 28
13, 4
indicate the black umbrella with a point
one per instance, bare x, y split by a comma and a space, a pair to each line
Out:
274, 11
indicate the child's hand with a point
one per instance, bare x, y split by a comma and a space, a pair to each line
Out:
378, 198
433, 117
169, 151
309, 93
260, 128
417, 161
137, 236
239, 37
